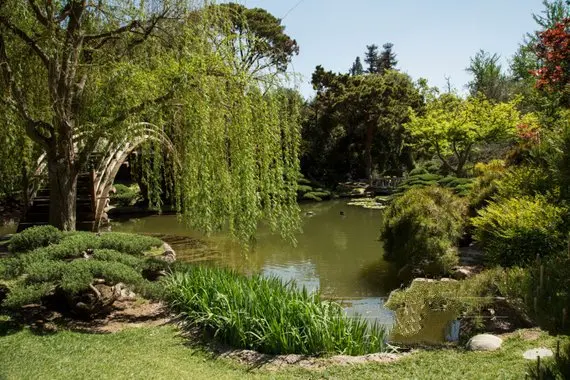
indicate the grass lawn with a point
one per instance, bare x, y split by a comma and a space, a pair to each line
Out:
160, 353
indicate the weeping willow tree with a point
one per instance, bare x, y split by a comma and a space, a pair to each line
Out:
81, 78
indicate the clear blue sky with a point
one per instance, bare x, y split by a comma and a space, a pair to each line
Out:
432, 38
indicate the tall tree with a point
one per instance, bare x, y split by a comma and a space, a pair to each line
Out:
488, 78
525, 60
453, 128
553, 51
78, 77
387, 59
371, 58
257, 38
360, 124
356, 68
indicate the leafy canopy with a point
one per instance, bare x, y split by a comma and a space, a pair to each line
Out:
453, 128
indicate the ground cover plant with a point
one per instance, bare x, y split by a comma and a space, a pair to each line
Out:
84, 268
266, 315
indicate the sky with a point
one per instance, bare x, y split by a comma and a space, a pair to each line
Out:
432, 38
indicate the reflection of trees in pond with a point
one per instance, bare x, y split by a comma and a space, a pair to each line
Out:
341, 249
379, 275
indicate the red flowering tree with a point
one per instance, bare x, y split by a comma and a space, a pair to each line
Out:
553, 51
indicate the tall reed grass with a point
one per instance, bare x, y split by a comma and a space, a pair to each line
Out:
266, 315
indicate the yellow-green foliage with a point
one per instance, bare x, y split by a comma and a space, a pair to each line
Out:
421, 229
485, 185
529, 181
514, 231
453, 128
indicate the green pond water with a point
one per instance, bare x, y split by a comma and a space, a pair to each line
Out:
338, 253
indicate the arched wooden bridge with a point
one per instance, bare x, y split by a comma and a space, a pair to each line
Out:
93, 184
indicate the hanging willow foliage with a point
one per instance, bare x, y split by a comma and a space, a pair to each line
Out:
221, 143
236, 142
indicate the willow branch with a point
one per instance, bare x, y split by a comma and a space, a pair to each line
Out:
19, 103
27, 39
94, 140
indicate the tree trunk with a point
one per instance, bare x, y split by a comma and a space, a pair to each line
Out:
63, 194
368, 153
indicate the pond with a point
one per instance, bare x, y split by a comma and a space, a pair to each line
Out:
338, 252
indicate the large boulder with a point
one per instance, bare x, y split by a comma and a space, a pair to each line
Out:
484, 342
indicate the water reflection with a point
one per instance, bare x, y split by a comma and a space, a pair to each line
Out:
337, 253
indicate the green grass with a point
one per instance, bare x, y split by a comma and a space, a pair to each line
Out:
266, 315
161, 353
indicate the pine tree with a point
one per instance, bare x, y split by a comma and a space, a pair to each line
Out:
371, 58
387, 59
356, 68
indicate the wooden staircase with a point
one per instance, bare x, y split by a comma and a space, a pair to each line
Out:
37, 213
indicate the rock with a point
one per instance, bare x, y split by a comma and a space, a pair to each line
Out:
124, 293
168, 253
538, 352
461, 273
484, 342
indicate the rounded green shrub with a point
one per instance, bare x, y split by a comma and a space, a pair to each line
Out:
76, 264
421, 229
34, 237
125, 196
514, 231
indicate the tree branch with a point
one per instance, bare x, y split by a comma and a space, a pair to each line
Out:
20, 102
27, 39
127, 28
39, 15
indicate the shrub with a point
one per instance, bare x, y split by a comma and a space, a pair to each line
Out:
266, 315
76, 265
514, 231
421, 229
485, 185
125, 195
421, 178
129, 243
34, 237
528, 181
552, 293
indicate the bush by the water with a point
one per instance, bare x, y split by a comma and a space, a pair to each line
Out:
421, 230
125, 196
514, 231
34, 237
548, 300
79, 263
266, 315
311, 191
